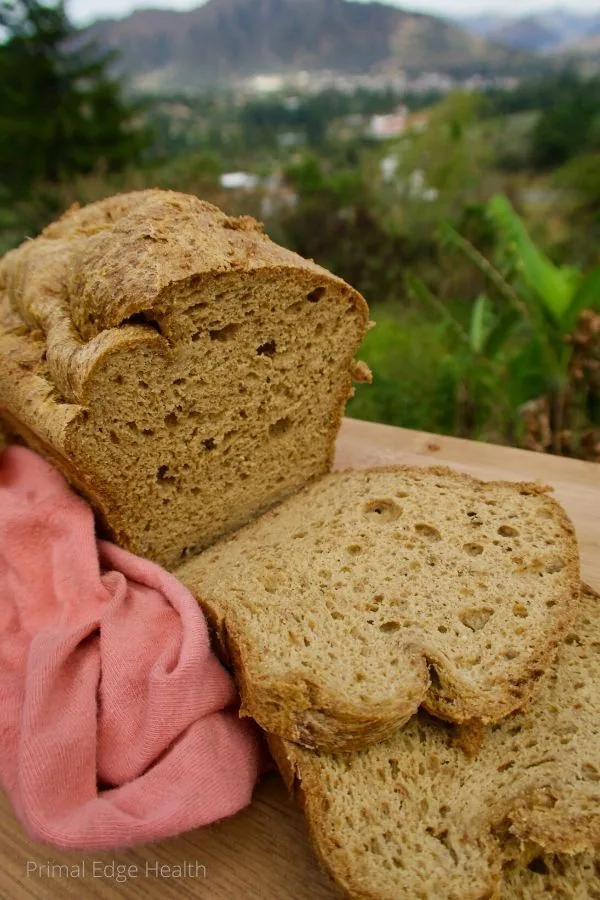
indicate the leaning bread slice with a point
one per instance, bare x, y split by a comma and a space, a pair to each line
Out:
373, 592
438, 812
554, 877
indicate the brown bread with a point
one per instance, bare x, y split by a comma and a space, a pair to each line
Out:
373, 592
437, 813
180, 368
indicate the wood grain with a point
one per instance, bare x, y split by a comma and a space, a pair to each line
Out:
263, 853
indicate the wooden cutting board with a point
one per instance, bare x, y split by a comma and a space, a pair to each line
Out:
263, 853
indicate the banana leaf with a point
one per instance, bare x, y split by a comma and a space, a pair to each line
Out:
554, 286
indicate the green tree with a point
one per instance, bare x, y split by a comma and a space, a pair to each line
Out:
570, 125
60, 111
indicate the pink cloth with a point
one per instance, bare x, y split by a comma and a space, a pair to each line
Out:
117, 723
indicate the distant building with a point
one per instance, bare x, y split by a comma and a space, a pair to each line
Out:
388, 126
240, 181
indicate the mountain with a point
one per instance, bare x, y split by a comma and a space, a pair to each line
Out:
546, 32
227, 39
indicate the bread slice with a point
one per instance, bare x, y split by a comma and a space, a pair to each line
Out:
373, 592
182, 370
554, 877
438, 812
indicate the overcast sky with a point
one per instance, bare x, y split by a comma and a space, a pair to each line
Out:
83, 11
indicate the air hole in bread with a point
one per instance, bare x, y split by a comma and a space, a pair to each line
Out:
428, 532
315, 295
197, 307
473, 549
354, 549
389, 626
508, 531
142, 318
171, 420
118, 379
114, 437
590, 772
280, 426
227, 333
555, 565
520, 610
538, 866
209, 444
476, 619
269, 348
163, 475
375, 603
385, 510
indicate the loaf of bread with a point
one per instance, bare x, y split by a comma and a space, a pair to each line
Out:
370, 593
439, 812
183, 371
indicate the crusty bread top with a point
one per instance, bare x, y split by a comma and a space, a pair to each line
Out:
372, 592
140, 255
436, 812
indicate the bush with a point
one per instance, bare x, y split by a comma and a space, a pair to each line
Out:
413, 380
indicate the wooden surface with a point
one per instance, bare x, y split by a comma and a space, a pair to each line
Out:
263, 853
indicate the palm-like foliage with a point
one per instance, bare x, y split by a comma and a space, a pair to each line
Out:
522, 338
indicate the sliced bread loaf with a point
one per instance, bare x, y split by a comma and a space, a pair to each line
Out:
182, 370
373, 592
435, 813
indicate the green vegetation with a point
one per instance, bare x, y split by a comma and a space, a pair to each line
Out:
60, 113
474, 232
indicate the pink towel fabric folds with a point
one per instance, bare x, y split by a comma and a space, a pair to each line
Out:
118, 725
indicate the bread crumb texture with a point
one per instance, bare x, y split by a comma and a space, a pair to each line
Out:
182, 370
418, 818
373, 592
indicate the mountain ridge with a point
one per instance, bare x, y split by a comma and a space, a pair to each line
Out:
550, 31
233, 39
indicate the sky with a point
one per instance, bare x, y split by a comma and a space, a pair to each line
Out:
84, 11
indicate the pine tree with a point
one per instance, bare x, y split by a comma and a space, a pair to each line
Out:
61, 112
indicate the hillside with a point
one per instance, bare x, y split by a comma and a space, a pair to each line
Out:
227, 39
544, 32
